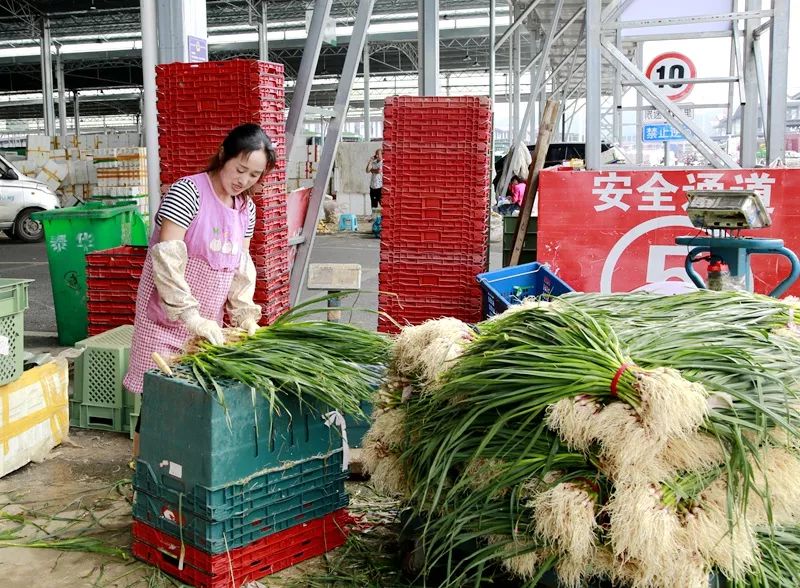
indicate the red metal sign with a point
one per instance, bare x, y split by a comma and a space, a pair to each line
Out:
614, 231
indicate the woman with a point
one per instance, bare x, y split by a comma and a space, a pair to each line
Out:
198, 263
375, 167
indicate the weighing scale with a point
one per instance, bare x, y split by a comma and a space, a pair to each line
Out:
723, 215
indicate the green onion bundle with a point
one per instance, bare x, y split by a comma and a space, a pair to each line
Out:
337, 365
643, 439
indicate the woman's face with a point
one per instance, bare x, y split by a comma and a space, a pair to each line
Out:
378, 153
241, 172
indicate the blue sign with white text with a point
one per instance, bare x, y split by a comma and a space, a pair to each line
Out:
661, 132
198, 49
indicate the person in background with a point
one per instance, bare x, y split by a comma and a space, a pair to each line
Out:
517, 190
375, 167
198, 263
513, 201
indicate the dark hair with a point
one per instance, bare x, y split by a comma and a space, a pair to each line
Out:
245, 138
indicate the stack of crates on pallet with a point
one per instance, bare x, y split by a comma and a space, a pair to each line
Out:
435, 208
112, 280
198, 103
99, 400
226, 495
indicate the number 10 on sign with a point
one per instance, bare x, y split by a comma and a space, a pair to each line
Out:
672, 66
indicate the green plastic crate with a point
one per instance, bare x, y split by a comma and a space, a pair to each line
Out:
187, 438
99, 371
260, 489
98, 417
216, 537
528, 254
13, 303
70, 234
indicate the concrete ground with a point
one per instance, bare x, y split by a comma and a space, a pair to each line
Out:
82, 488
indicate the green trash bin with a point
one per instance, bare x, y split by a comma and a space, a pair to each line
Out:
71, 233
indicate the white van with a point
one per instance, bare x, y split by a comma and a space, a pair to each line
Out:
21, 196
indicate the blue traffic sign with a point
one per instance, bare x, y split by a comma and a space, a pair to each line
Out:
661, 132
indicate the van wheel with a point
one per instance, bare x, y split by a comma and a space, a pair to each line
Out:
26, 229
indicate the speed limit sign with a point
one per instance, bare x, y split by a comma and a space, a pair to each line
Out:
672, 66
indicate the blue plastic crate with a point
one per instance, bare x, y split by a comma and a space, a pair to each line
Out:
232, 500
510, 285
187, 437
216, 537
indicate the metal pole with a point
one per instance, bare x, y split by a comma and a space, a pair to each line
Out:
639, 111
62, 101
76, 113
617, 116
749, 139
367, 129
492, 65
47, 79
732, 68
778, 71
305, 73
428, 53
263, 43
761, 82
594, 84
150, 114
516, 53
332, 137
535, 85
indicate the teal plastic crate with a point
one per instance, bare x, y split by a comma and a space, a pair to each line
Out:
220, 536
259, 490
187, 438
13, 303
357, 426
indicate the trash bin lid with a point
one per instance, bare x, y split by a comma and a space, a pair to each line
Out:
88, 209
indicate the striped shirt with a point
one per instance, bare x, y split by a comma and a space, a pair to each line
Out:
182, 203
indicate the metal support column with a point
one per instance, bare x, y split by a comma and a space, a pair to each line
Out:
749, 141
332, 137
305, 74
537, 82
263, 43
62, 99
594, 84
617, 115
149, 114
367, 122
76, 113
732, 69
47, 79
516, 54
639, 111
428, 47
492, 65
778, 71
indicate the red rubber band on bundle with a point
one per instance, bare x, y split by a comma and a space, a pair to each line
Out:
615, 380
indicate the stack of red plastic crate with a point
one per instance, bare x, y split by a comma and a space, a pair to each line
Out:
112, 279
198, 103
434, 237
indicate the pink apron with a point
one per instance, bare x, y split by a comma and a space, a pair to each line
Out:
214, 244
